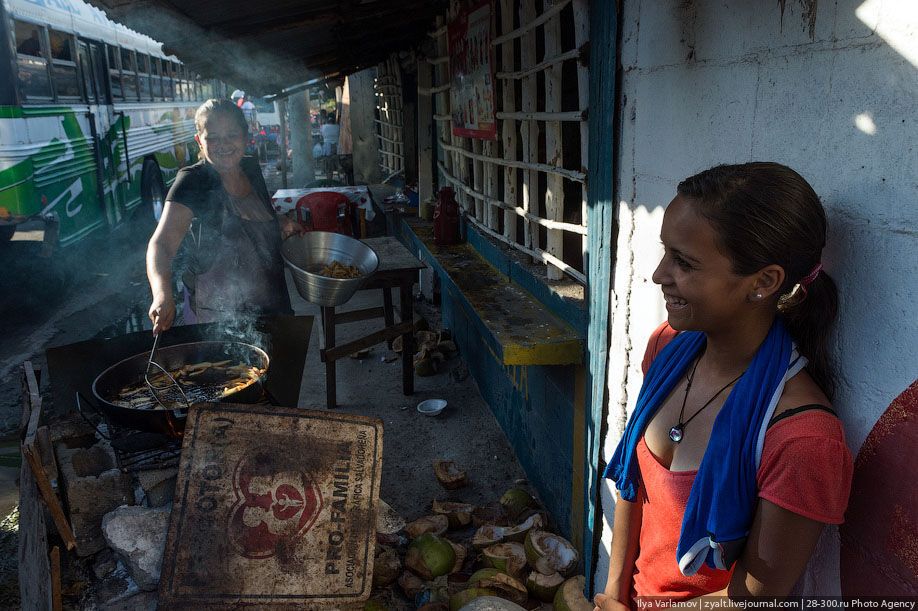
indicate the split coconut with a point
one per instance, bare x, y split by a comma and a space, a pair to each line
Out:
544, 587
430, 556
436, 524
569, 596
449, 474
490, 535
507, 557
548, 553
458, 515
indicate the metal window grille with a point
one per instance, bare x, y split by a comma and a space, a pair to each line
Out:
528, 188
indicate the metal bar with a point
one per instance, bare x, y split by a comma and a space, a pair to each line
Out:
545, 16
574, 115
533, 252
548, 63
579, 229
433, 90
541, 167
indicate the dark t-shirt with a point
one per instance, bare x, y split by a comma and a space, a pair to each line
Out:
198, 188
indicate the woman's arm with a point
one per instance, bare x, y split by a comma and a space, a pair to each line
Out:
165, 242
780, 544
626, 533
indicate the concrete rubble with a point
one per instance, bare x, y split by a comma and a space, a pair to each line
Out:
137, 535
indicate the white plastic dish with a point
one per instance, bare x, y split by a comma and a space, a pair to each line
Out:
432, 407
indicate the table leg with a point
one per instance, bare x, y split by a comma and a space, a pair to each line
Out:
387, 310
328, 324
406, 311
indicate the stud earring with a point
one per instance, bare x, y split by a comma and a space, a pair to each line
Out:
758, 296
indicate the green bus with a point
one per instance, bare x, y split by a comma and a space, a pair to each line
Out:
95, 120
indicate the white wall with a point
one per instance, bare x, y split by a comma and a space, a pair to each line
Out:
710, 82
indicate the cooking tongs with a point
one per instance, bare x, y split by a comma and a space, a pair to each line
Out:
173, 383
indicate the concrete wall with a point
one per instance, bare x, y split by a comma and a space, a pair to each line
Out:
718, 82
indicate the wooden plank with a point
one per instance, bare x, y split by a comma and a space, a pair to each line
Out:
32, 554
478, 161
531, 24
554, 151
600, 259
508, 126
273, 507
30, 451
529, 130
442, 101
56, 600
582, 39
489, 149
343, 318
377, 337
425, 132
574, 175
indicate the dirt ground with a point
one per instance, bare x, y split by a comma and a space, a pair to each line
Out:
99, 289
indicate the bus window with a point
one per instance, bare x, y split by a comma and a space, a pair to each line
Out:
157, 74
178, 72
32, 65
128, 75
63, 68
114, 73
143, 77
168, 89
86, 71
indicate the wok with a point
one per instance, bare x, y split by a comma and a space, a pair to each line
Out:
171, 422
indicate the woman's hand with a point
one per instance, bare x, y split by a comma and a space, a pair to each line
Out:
162, 313
289, 227
607, 602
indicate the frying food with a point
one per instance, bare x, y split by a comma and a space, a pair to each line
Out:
338, 270
205, 381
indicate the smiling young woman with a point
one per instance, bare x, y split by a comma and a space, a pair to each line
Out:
235, 267
733, 460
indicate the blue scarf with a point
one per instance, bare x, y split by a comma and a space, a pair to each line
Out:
724, 494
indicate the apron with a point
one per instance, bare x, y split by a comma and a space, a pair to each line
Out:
246, 278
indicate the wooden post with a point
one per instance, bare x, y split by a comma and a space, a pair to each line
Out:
554, 193
282, 112
529, 130
425, 129
397, 119
508, 126
581, 38
304, 171
478, 179
363, 127
442, 101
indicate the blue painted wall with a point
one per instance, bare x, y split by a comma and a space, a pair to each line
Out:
534, 405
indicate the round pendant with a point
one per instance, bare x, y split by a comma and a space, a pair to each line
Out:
675, 433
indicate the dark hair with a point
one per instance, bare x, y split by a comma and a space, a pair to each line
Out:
763, 214
219, 105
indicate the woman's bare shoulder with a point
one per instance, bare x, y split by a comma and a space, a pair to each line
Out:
801, 390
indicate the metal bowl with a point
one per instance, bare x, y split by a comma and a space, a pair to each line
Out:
307, 254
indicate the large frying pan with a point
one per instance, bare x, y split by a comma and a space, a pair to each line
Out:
172, 421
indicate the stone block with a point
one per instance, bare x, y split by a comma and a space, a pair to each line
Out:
137, 535
92, 487
158, 486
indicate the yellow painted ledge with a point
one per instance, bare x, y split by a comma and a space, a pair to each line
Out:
526, 331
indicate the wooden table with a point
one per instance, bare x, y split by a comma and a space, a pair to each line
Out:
398, 268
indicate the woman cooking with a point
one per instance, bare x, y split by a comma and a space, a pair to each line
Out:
235, 267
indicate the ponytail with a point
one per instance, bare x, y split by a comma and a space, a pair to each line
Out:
809, 320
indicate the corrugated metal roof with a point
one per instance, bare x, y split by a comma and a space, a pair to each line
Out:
263, 46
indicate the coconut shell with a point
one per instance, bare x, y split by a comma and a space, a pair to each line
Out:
569, 596
542, 586
461, 599
515, 501
492, 513
507, 557
548, 553
386, 566
436, 524
388, 521
449, 474
458, 514
506, 587
430, 556
461, 555
410, 584
438, 606
490, 535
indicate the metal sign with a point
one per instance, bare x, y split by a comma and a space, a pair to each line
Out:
274, 506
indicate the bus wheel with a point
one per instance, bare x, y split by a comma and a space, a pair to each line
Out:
152, 190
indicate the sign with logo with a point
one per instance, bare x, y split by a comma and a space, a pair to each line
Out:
471, 94
273, 506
